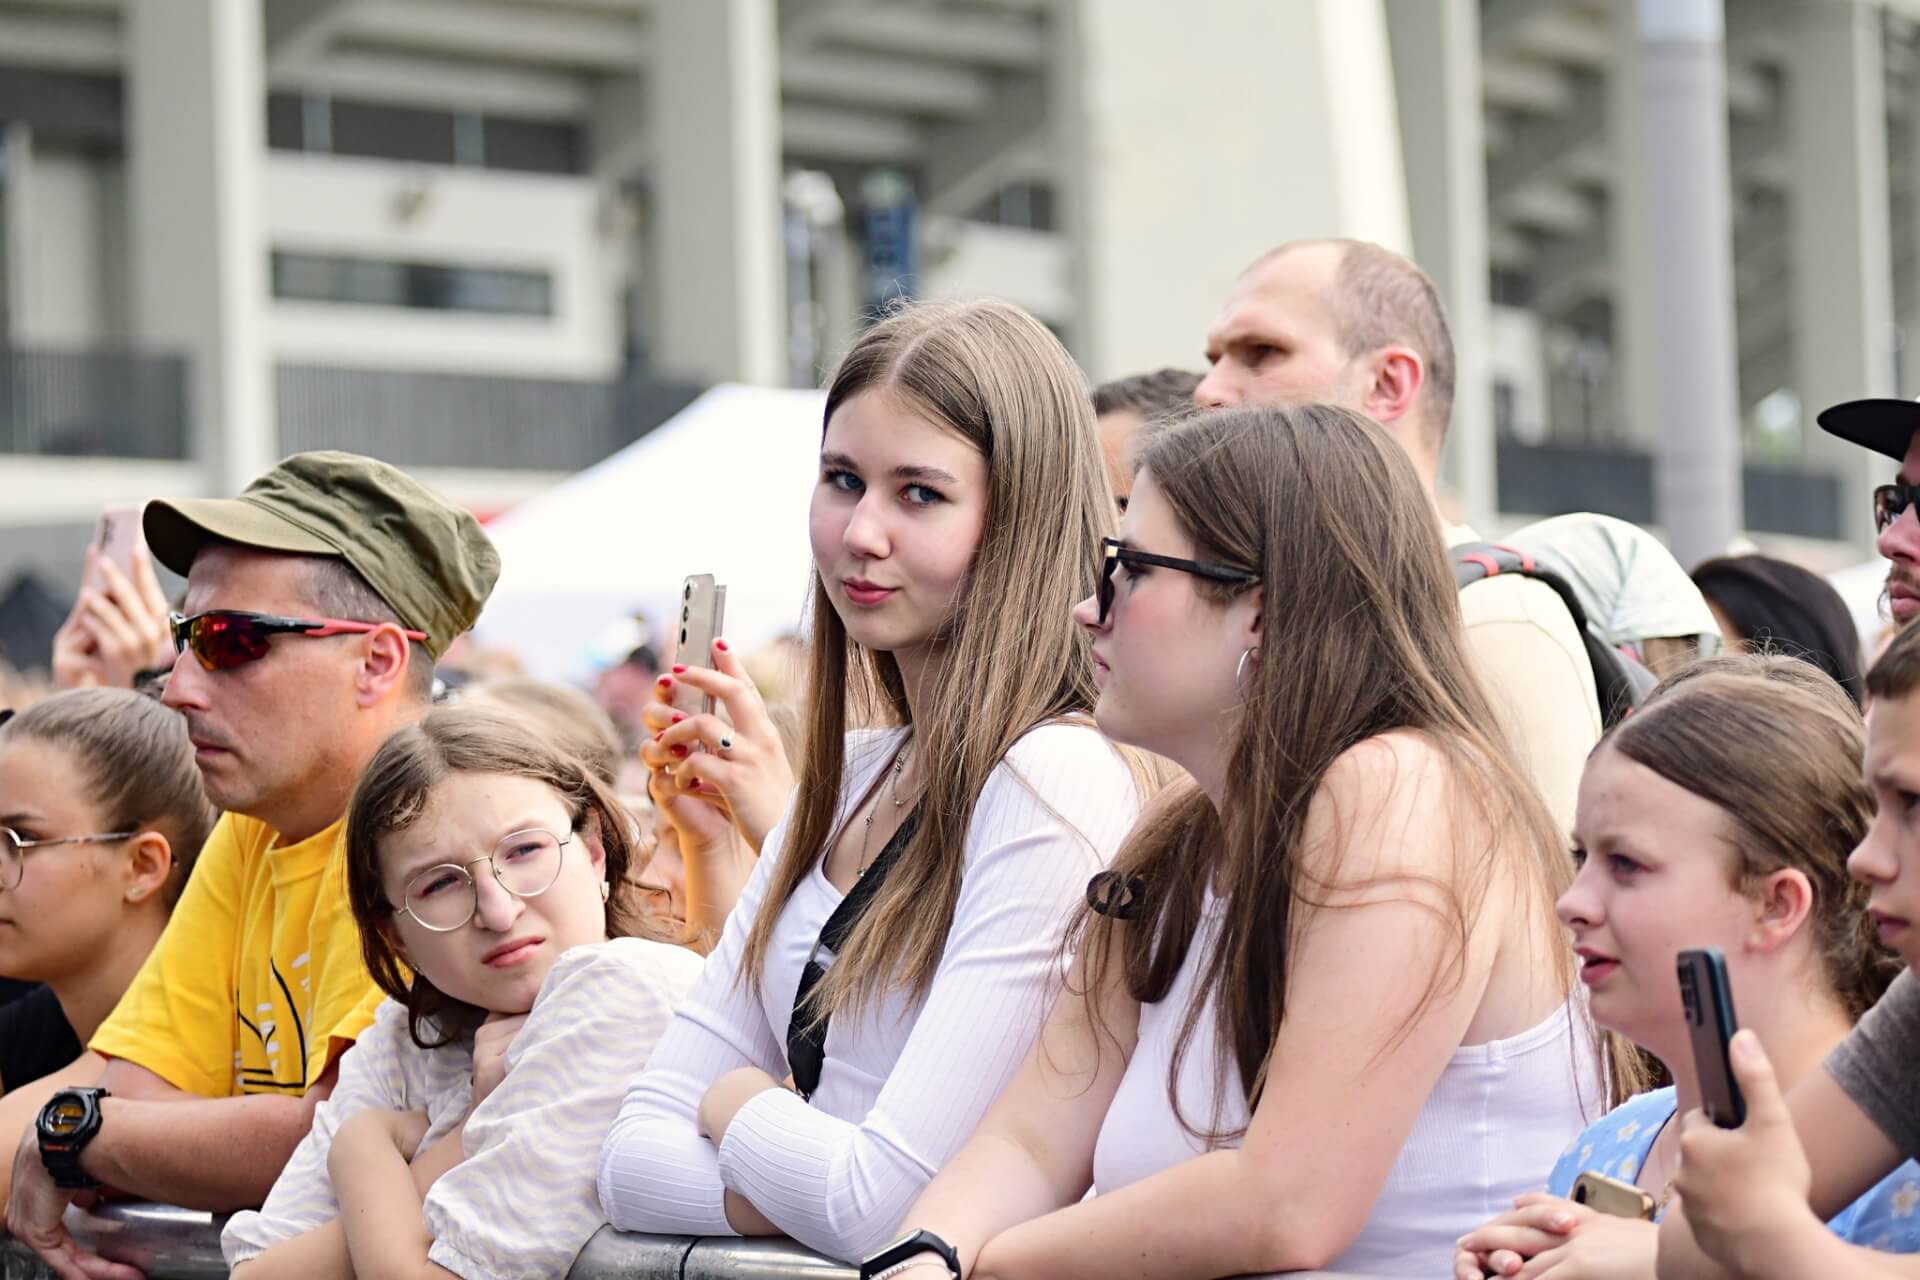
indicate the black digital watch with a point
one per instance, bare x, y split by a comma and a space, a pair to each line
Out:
66, 1125
908, 1248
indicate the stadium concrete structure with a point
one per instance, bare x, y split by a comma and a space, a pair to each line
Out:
493, 240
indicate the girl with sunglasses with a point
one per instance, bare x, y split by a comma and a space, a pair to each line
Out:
891, 958
101, 817
487, 868
1322, 1014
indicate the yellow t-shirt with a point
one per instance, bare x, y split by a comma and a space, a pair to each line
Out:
258, 982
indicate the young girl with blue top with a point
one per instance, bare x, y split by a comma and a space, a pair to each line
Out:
1720, 814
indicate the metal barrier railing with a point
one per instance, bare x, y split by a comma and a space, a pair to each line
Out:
169, 1243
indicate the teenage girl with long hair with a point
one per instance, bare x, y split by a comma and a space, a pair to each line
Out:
950, 770
1323, 1015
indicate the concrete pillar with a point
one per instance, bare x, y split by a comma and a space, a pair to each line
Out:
1678, 268
718, 265
1436, 71
16, 206
1841, 231
196, 220
1172, 184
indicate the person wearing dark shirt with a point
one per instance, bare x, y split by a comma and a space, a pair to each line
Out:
101, 815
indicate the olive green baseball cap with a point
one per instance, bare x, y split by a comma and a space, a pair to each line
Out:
428, 559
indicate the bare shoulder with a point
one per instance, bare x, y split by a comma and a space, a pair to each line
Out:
1384, 807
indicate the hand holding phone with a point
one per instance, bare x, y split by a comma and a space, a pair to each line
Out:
1707, 997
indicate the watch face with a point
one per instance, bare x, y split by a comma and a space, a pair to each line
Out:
63, 1116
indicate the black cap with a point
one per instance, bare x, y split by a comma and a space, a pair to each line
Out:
1885, 426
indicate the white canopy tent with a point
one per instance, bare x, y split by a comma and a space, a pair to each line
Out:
722, 487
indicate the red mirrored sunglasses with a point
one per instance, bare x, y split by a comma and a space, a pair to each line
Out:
222, 639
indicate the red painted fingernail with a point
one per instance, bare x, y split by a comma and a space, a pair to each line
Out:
679, 751
721, 645
679, 668
658, 736
678, 716
666, 682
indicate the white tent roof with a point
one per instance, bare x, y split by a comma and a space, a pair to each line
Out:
722, 487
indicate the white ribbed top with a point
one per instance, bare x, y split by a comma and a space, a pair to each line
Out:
904, 1084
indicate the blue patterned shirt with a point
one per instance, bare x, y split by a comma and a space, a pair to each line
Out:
1886, 1219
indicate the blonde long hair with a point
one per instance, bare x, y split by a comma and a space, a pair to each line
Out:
1013, 658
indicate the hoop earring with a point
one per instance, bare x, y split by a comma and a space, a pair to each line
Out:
1240, 668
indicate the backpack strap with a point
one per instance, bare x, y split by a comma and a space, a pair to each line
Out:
1618, 682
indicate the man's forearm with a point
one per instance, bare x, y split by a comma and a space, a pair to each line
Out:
208, 1153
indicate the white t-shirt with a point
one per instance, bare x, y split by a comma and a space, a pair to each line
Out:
1534, 666
1497, 1119
522, 1203
905, 1082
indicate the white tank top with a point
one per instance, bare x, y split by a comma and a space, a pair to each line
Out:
1498, 1117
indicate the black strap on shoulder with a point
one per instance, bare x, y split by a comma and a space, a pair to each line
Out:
1114, 894
806, 1032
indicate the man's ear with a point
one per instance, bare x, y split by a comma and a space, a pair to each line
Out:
149, 862
384, 657
1393, 389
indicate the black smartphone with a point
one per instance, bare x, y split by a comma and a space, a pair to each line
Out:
1708, 1000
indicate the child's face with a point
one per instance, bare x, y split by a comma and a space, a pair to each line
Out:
499, 957
1888, 860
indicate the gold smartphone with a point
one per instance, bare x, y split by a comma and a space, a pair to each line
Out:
1611, 1196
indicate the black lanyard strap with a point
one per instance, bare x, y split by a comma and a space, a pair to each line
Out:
807, 1033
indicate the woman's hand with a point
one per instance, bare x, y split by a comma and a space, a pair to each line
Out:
743, 765
1746, 1189
117, 629
490, 1043
727, 1095
1549, 1235
700, 859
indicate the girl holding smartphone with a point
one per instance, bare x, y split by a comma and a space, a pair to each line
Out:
1721, 814
951, 781
1323, 1015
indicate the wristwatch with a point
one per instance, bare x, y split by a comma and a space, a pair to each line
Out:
66, 1125
908, 1248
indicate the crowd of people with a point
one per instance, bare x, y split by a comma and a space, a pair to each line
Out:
1186, 853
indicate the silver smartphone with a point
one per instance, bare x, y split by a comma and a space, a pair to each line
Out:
703, 611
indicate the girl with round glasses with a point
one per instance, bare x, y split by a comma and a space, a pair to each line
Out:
101, 817
487, 869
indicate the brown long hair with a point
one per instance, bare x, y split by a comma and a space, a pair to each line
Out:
393, 794
1776, 743
1362, 636
1013, 657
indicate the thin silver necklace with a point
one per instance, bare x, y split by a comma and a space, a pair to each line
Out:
893, 790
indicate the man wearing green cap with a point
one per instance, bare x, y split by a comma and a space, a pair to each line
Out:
316, 604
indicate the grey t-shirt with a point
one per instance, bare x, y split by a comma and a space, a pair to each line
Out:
1875, 1065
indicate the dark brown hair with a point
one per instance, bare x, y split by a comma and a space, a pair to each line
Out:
572, 720
1897, 673
137, 765
391, 797
999, 379
1363, 637
1777, 606
1164, 393
1777, 745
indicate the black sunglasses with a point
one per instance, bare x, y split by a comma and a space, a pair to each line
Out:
1889, 501
1116, 553
222, 639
